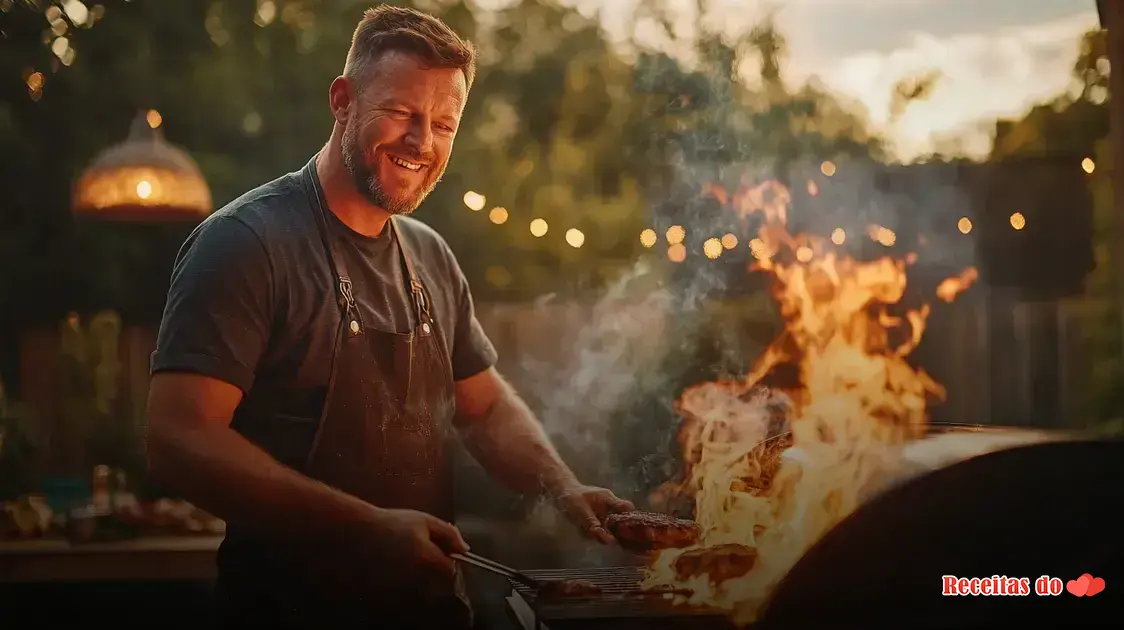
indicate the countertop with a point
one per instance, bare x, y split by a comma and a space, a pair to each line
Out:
186, 564
141, 559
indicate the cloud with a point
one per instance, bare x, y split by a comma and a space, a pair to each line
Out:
995, 57
985, 74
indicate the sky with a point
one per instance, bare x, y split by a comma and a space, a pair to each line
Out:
997, 58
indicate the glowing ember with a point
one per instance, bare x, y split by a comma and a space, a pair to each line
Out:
761, 501
949, 289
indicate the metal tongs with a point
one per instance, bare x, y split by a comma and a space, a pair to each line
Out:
497, 568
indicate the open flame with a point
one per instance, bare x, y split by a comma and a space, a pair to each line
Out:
762, 499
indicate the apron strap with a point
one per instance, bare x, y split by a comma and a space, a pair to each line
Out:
417, 289
344, 295
351, 317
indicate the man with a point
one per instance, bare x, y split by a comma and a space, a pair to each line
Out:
316, 344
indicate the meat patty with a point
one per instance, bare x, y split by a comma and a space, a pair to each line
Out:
720, 562
649, 531
568, 588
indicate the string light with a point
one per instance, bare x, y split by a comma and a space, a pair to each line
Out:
964, 225
675, 234
883, 236
838, 236
712, 248
474, 200
676, 252
498, 215
35, 82
1018, 221
758, 249
1088, 165
575, 238
539, 228
827, 168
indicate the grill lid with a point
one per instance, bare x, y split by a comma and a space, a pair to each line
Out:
1048, 508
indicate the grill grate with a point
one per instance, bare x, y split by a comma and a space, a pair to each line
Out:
620, 599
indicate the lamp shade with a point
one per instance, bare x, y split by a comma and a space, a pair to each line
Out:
143, 179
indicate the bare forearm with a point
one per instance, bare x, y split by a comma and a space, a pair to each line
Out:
510, 444
223, 473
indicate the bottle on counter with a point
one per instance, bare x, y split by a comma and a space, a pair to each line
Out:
101, 499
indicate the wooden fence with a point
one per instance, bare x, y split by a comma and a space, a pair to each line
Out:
1001, 360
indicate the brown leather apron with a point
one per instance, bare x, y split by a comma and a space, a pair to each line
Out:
381, 437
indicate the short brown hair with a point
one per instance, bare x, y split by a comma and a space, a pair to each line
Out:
386, 27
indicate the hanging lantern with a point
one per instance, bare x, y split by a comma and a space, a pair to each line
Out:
143, 179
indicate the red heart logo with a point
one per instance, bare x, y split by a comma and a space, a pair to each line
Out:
1096, 585
1079, 586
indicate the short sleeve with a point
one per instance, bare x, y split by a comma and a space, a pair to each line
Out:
472, 351
217, 317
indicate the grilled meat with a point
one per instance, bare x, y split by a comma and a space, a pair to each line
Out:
720, 562
568, 588
667, 589
649, 531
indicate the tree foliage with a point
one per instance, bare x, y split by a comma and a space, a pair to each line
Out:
1077, 123
562, 125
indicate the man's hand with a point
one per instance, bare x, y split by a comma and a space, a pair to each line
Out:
506, 438
587, 506
417, 541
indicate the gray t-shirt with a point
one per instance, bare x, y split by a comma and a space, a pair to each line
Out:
252, 297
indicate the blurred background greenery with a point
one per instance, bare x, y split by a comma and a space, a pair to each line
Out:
566, 125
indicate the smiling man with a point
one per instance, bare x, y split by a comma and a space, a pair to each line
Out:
317, 349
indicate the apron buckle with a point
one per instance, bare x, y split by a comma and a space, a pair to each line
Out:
349, 302
345, 291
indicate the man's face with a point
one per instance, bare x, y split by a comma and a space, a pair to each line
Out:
400, 130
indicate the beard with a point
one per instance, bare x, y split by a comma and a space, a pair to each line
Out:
367, 181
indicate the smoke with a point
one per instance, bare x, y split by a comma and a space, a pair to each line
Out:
632, 352
617, 342
618, 348
606, 385
607, 403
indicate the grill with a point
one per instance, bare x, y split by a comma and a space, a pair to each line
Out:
620, 604
843, 576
